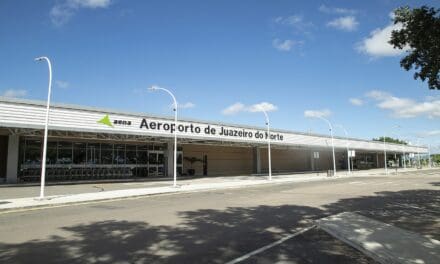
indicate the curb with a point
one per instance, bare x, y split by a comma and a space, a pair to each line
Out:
180, 190
170, 192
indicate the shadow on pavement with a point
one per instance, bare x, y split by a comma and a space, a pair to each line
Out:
218, 236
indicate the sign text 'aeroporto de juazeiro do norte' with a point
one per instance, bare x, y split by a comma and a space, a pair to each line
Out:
208, 130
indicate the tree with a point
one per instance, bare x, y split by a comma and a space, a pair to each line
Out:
420, 32
391, 140
435, 158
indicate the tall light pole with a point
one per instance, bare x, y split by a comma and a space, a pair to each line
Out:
348, 151
418, 151
155, 88
43, 165
268, 143
385, 154
430, 146
403, 147
404, 153
429, 156
333, 144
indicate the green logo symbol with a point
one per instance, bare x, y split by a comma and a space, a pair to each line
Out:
106, 121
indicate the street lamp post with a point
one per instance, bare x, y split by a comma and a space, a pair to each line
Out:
268, 144
429, 156
43, 165
418, 151
333, 145
348, 151
385, 154
404, 153
432, 146
155, 88
403, 147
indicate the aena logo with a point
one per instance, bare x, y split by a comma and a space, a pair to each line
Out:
106, 121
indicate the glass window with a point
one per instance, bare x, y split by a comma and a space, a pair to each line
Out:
142, 155
51, 157
32, 152
119, 154
107, 153
21, 154
179, 157
142, 148
152, 158
131, 154
160, 159
79, 153
69, 152
158, 147
152, 170
64, 153
93, 153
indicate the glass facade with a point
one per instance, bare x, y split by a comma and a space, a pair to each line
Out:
364, 161
3, 157
81, 160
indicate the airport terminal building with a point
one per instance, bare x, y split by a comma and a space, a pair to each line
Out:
92, 144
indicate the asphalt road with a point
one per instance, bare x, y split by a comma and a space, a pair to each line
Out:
221, 226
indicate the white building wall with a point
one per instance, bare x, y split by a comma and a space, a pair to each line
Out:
30, 114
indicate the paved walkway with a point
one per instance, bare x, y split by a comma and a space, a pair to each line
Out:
383, 242
22, 196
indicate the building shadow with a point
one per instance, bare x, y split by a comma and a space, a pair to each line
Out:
435, 183
412, 210
218, 236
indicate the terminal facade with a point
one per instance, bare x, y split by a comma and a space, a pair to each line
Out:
97, 144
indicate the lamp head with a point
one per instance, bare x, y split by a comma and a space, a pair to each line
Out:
39, 59
152, 88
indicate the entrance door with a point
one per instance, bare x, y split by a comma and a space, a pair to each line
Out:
155, 163
92, 154
3, 156
179, 163
205, 165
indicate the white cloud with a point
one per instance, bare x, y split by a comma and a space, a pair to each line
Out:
406, 107
431, 133
62, 84
295, 21
90, 3
14, 93
347, 23
263, 106
378, 95
356, 101
63, 11
233, 109
186, 105
285, 45
336, 10
290, 20
317, 113
239, 107
377, 45
59, 15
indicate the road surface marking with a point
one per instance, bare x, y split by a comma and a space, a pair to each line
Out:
271, 245
356, 182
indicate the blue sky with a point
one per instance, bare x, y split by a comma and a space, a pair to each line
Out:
220, 58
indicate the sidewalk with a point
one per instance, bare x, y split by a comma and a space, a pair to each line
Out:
20, 197
383, 242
